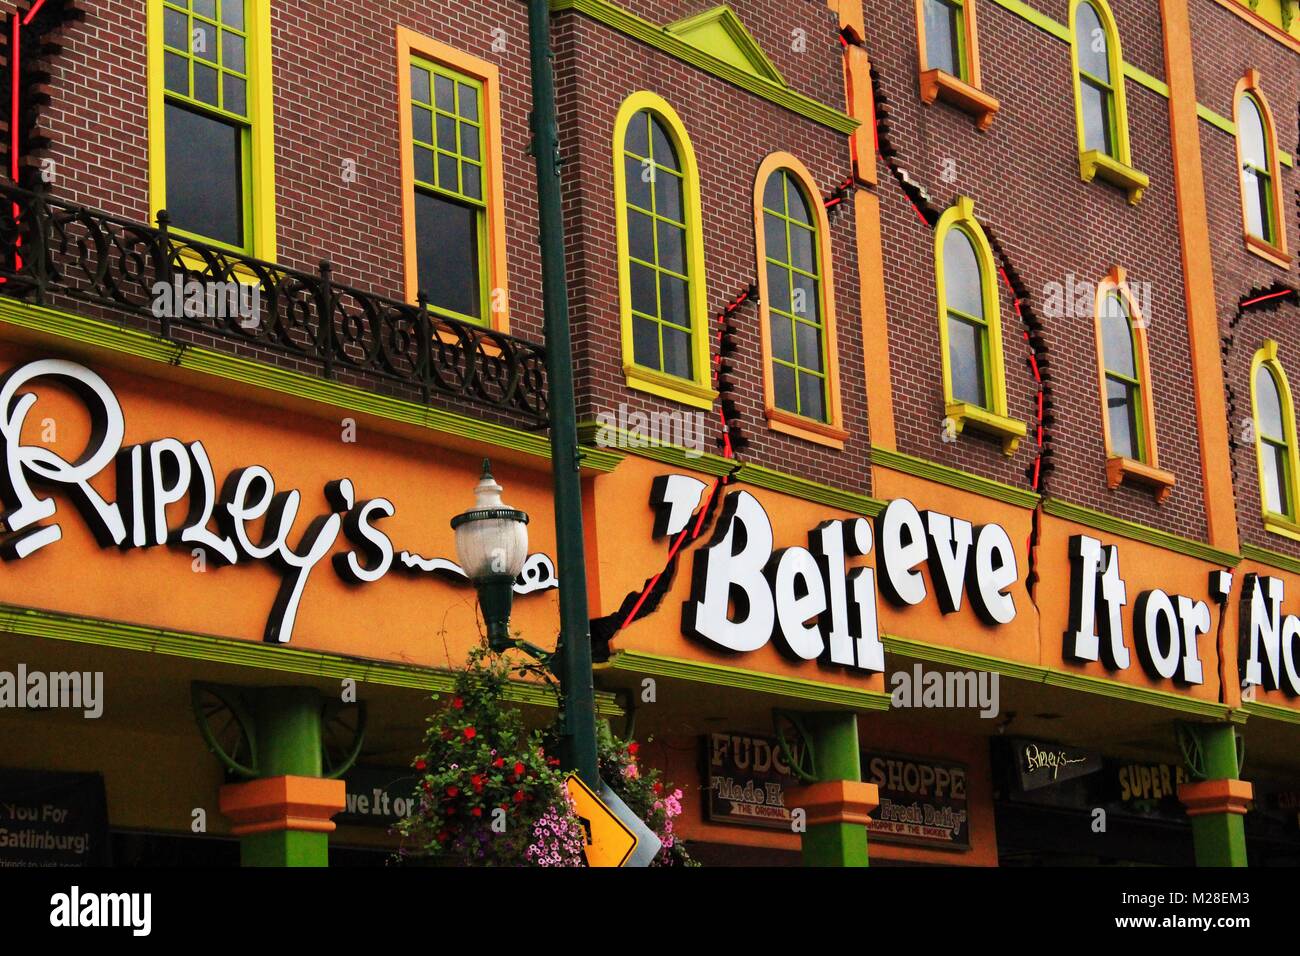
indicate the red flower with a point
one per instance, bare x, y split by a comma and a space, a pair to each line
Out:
519, 770
458, 703
499, 762
451, 811
427, 787
470, 733
420, 765
453, 791
552, 761
633, 747
658, 787
442, 836
446, 733
476, 812
519, 796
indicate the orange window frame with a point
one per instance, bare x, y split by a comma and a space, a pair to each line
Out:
966, 93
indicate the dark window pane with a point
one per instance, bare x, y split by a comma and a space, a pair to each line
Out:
232, 13
1117, 337
672, 247
445, 92
1250, 130
204, 175
468, 101
668, 195
207, 8
672, 301
1120, 411
204, 37
636, 173
205, 83
783, 387
782, 337
234, 95
424, 165
645, 342
966, 361
1096, 118
643, 289
422, 124
778, 288
774, 238
804, 303
177, 74
176, 29
799, 211
677, 352
447, 134
809, 339
232, 52
469, 141
664, 153
447, 177
812, 399
640, 236
942, 23
1276, 498
419, 84
801, 247
774, 193
961, 271
1268, 405
471, 180
448, 253
1092, 44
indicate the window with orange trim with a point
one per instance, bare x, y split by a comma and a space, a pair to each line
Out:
1263, 220
948, 47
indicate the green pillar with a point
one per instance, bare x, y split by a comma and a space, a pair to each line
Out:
1216, 803
835, 755
288, 726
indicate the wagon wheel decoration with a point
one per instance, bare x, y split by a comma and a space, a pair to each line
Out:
342, 734
226, 724
791, 734
1189, 742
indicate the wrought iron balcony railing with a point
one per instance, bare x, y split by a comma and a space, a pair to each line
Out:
50, 248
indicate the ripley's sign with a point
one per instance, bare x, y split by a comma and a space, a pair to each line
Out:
157, 474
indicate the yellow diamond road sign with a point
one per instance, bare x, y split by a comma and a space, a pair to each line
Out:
609, 841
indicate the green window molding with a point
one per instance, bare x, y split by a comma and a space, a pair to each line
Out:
211, 158
660, 248
944, 22
1101, 112
970, 328
1123, 387
1273, 417
450, 181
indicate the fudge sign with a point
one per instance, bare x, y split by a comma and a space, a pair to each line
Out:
156, 475
811, 604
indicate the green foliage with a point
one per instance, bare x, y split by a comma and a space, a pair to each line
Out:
644, 791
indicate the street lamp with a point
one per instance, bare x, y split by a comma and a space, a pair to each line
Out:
491, 546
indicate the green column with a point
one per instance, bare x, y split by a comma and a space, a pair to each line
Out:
835, 755
288, 723
1219, 838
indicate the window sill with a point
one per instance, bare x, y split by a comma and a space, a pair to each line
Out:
990, 423
1276, 524
817, 432
1094, 164
671, 387
1121, 470
936, 84
1266, 250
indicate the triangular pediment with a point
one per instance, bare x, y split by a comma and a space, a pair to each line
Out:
719, 33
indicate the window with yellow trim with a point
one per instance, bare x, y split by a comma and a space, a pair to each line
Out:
452, 193
1257, 160
796, 303
210, 123
1275, 441
970, 327
660, 253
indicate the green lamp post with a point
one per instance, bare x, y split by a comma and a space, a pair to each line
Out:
491, 546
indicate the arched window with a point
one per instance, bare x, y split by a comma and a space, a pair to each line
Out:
1257, 159
970, 328
660, 253
1101, 112
1124, 367
796, 302
1275, 441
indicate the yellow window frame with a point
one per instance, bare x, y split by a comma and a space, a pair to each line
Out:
1144, 470
696, 391
412, 45
259, 152
992, 419
830, 432
1093, 163
1281, 524
1274, 252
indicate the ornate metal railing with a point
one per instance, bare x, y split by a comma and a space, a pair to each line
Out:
51, 248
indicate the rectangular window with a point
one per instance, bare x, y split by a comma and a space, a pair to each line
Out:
945, 27
210, 121
451, 175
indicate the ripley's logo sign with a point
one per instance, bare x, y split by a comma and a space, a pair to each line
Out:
157, 474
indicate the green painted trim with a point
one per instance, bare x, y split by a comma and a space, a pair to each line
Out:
57, 626
1271, 712
1143, 78
631, 25
1139, 532
953, 477
721, 675
127, 341
1214, 119
1283, 562
1087, 684
666, 452
694, 30
808, 490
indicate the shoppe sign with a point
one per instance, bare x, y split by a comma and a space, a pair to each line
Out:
747, 779
923, 801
